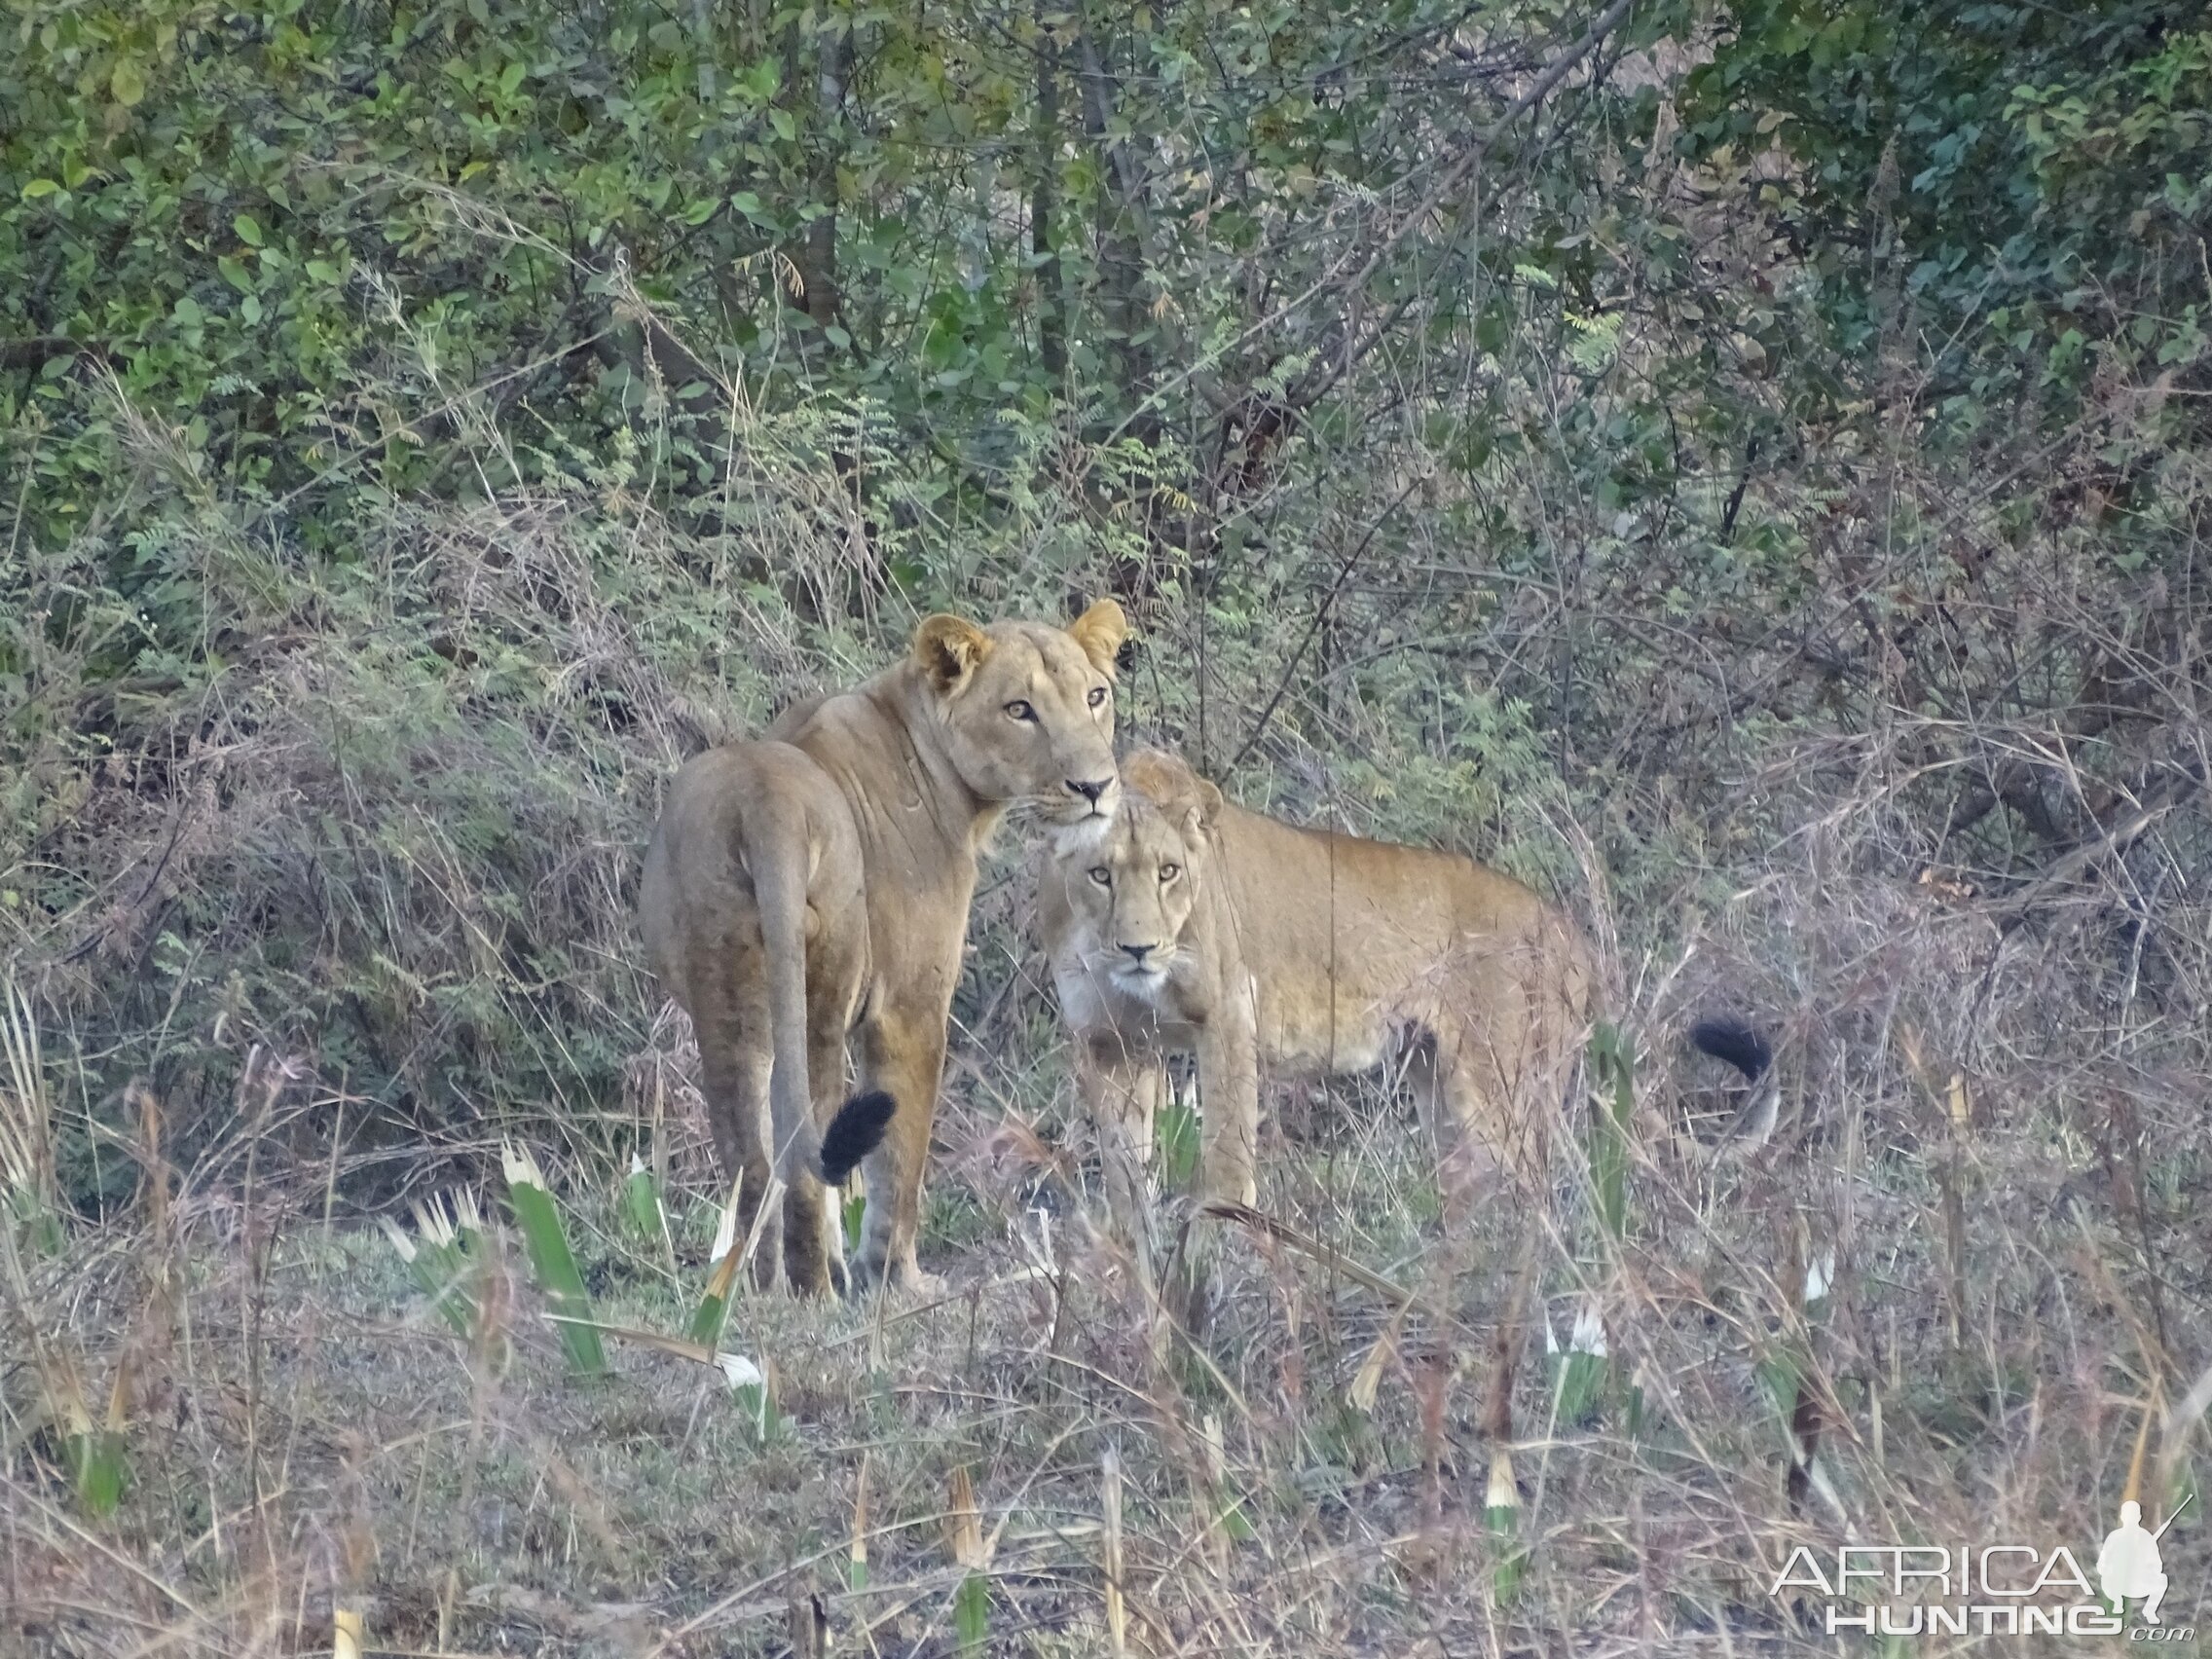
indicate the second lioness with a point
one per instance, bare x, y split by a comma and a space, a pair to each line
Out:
1190, 925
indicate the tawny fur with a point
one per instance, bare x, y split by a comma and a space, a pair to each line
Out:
809, 891
1266, 947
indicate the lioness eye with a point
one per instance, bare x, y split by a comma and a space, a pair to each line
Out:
1098, 695
1020, 711
1170, 872
1102, 875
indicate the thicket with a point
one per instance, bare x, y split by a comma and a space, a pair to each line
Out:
426, 422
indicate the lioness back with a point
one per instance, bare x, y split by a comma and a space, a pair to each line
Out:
1348, 940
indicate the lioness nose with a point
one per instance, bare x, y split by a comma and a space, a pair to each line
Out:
1137, 952
1091, 788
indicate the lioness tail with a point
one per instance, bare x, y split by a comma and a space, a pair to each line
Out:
854, 1132
1735, 1043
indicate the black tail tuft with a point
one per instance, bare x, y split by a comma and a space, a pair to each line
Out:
1733, 1040
854, 1132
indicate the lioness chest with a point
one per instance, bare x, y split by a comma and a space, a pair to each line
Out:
1166, 1020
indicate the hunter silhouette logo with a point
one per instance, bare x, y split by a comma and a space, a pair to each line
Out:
2128, 1566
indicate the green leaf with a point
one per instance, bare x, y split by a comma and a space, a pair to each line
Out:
97, 1468
641, 1203
972, 1612
248, 229
1234, 1522
555, 1266
1501, 1518
1175, 1139
1612, 1069
39, 187
750, 1387
853, 1215
708, 1318
128, 81
443, 1255
41, 1228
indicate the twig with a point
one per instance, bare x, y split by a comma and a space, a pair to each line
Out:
1246, 1216
1313, 626
2010, 912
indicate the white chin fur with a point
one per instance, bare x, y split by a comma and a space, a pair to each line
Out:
1079, 835
1140, 981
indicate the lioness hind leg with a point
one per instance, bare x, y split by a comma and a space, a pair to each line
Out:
1488, 1169
836, 955
1498, 1087
730, 1019
901, 1054
805, 1255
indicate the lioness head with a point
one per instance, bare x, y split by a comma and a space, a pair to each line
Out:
1026, 710
1133, 888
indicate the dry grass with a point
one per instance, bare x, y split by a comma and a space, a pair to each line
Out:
304, 936
2017, 1313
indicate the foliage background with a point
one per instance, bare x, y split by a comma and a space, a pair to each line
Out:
1751, 482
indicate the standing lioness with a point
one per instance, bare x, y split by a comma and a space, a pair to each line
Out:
814, 885
1190, 924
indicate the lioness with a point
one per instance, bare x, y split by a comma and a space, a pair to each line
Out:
813, 886
1190, 924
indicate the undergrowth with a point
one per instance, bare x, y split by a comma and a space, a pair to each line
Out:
331, 893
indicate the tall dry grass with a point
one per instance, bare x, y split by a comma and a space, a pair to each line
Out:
310, 931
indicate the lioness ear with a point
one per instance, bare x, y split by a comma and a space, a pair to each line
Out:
1100, 631
1202, 805
947, 650
1168, 783
1209, 804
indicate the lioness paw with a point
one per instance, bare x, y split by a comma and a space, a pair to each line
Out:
910, 1281
899, 1278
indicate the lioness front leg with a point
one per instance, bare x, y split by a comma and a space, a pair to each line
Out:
904, 1055
1228, 1089
1122, 1091
1228, 1103
812, 1256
